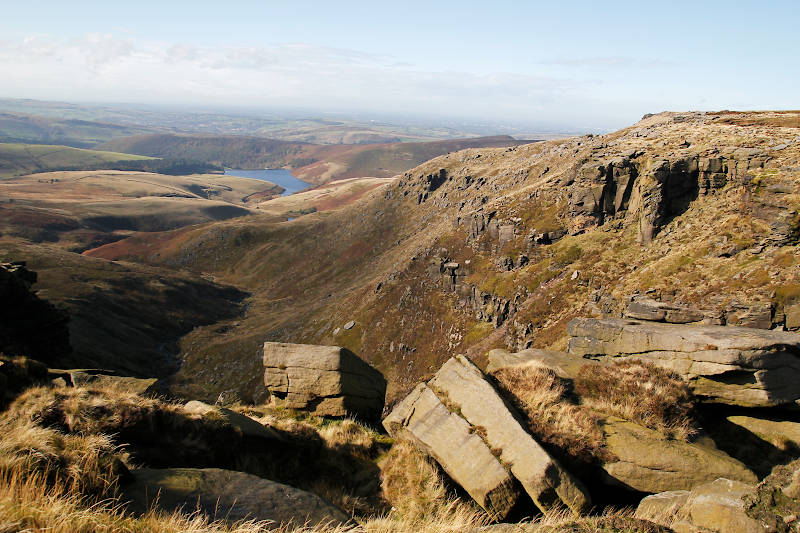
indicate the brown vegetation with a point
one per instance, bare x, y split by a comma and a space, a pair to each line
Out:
640, 392
553, 418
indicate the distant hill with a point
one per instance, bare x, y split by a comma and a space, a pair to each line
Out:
225, 150
21, 128
309, 162
387, 159
18, 159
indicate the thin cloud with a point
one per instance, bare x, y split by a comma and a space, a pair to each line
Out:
610, 62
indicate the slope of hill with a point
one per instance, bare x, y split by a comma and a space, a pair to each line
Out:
17, 159
84, 209
229, 151
502, 247
309, 162
20, 128
386, 160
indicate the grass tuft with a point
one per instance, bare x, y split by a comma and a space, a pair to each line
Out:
640, 392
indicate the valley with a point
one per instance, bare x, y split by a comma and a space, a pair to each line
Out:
557, 279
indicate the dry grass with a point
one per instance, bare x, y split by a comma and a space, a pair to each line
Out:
84, 464
552, 417
640, 392
411, 481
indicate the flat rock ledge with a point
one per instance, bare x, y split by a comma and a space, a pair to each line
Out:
228, 495
723, 364
323, 380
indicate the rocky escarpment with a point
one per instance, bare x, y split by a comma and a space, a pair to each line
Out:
730, 365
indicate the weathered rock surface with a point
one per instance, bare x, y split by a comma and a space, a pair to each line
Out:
649, 309
649, 462
776, 500
717, 506
780, 433
228, 495
547, 483
246, 425
325, 380
723, 364
102, 378
565, 365
455, 445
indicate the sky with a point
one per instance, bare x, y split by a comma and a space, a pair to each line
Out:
591, 65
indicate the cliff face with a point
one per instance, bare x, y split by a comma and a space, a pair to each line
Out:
487, 248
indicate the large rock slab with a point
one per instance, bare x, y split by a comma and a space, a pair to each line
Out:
244, 424
717, 506
783, 434
455, 445
649, 462
723, 364
565, 365
648, 309
226, 494
324, 380
548, 484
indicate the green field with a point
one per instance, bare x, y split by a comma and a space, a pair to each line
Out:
19, 159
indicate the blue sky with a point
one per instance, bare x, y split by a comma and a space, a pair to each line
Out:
597, 65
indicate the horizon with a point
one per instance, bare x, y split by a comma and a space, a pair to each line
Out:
549, 67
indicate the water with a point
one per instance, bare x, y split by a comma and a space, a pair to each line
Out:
277, 176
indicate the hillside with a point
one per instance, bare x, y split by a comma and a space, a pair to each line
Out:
229, 151
23, 128
385, 160
80, 210
685, 207
312, 163
17, 159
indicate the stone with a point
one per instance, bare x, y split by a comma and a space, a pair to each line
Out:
750, 316
649, 462
793, 317
662, 507
782, 434
324, 380
459, 450
244, 424
548, 484
141, 386
565, 365
227, 495
723, 364
649, 309
349, 325
717, 506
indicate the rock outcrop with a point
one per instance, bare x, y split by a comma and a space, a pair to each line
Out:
227, 495
29, 326
324, 380
457, 447
649, 462
565, 365
545, 481
717, 506
248, 427
103, 378
723, 364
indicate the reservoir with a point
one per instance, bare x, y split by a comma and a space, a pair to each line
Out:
277, 176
